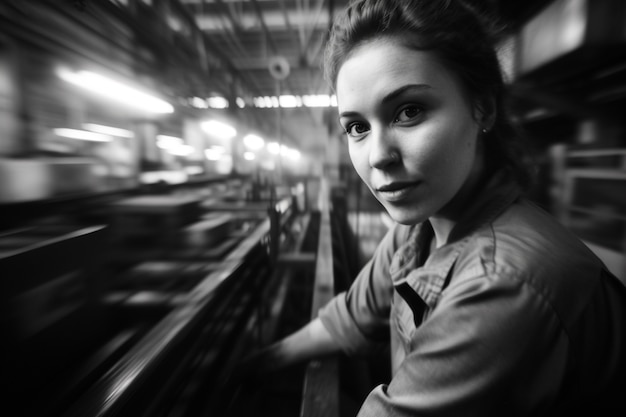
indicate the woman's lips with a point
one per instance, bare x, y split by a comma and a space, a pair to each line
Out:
396, 191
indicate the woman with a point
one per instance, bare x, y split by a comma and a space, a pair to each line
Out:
490, 306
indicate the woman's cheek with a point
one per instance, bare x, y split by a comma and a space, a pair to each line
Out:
359, 159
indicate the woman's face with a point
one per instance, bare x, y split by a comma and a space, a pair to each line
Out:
412, 131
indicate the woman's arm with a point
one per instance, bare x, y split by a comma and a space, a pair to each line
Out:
355, 319
492, 346
311, 341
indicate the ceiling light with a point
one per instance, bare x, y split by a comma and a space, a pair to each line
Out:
108, 130
82, 135
169, 142
249, 156
273, 148
114, 90
217, 102
290, 101
182, 150
199, 103
214, 153
319, 100
219, 129
294, 154
253, 142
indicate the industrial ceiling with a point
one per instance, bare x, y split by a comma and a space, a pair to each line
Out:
248, 52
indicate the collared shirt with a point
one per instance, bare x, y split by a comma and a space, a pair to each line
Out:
513, 316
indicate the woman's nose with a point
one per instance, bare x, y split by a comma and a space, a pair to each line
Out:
383, 150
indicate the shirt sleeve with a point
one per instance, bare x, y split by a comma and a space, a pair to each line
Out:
358, 320
492, 346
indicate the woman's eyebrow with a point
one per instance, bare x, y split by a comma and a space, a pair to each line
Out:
348, 114
409, 88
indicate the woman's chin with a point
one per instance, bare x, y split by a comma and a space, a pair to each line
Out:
404, 216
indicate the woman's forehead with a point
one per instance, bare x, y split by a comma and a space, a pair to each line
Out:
378, 66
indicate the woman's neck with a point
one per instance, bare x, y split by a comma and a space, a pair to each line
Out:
446, 219
442, 227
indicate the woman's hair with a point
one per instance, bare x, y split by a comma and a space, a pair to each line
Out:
460, 36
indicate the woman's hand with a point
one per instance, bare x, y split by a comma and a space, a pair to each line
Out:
311, 341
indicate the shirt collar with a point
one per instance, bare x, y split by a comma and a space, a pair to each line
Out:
498, 193
428, 273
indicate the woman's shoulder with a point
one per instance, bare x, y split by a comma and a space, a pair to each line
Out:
527, 236
528, 248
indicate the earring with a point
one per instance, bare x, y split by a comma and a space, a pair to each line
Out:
485, 130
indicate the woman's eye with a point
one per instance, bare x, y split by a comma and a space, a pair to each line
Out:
356, 129
408, 113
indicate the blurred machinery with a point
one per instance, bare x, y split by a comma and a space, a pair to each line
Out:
148, 312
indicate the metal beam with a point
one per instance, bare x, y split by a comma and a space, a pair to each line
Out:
309, 36
288, 24
266, 31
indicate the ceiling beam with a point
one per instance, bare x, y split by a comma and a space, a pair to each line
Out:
290, 28
309, 36
266, 31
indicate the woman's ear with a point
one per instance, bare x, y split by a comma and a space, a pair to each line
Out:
485, 112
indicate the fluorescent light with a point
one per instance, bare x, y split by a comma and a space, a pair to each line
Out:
291, 101
199, 103
219, 129
174, 145
317, 100
182, 150
273, 148
294, 154
167, 138
81, 135
108, 130
169, 142
249, 156
253, 142
259, 102
115, 90
214, 153
217, 102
